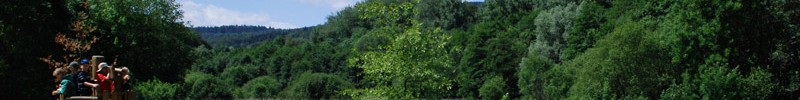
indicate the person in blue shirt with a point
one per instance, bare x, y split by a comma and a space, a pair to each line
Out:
83, 80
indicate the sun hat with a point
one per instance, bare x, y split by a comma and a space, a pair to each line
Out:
102, 66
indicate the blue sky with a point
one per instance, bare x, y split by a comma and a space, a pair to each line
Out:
271, 13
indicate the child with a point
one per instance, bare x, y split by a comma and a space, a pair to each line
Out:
59, 73
102, 78
67, 80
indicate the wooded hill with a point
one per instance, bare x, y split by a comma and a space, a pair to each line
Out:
522, 49
435, 49
243, 35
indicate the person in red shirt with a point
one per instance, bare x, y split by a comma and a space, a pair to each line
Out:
102, 78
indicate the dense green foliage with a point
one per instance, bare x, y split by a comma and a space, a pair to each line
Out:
198, 84
434, 49
540, 49
152, 90
263, 86
28, 33
316, 85
493, 88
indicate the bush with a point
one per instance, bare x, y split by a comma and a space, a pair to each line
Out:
624, 64
260, 87
156, 90
493, 89
718, 82
238, 75
682, 91
758, 84
715, 81
557, 82
201, 85
316, 85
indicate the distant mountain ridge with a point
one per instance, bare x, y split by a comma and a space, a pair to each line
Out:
232, 29
242, 35
475, 3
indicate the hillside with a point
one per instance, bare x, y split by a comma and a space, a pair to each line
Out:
421, 49
521, 49
242, 35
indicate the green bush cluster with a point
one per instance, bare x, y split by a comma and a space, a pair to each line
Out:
157, 90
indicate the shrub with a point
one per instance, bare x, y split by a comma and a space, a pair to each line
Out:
156, 90
316, 85
260, 87
493, 89
202, 85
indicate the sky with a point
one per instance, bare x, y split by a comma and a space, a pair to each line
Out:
285, 14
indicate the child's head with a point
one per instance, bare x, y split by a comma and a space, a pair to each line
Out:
84, 64
125, 71
58, 73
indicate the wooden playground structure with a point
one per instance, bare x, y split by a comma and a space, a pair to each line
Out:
98, 94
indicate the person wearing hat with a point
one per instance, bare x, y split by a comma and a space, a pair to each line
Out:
83, 79
102, 78
85, 66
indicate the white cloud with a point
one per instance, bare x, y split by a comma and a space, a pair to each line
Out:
336, 4
210, 15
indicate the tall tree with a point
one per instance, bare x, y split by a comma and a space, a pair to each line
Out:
29, 31
147, 36
413, 50
552, 27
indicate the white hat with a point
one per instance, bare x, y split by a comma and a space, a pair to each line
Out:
102, 66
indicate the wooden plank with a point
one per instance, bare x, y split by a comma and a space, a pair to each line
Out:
82, 98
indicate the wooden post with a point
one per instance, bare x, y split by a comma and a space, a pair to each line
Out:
114, 81
106, 95
118, 80
96, 59
114, 95
130, 95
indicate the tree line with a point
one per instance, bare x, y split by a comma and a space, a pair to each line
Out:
243, 35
